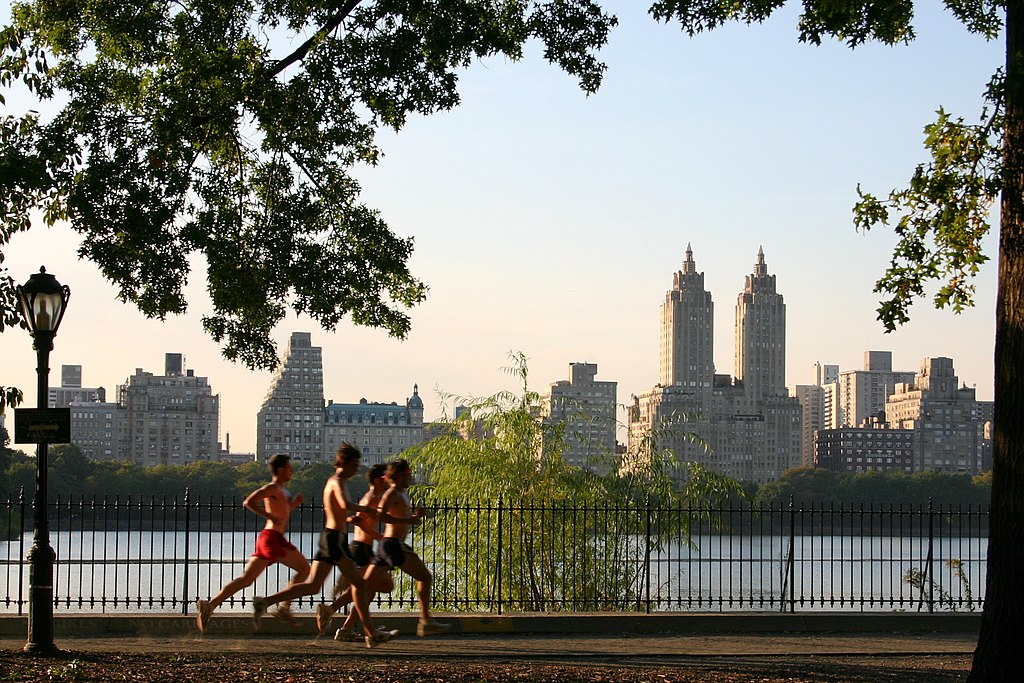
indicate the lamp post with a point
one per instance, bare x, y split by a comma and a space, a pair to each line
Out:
42, 301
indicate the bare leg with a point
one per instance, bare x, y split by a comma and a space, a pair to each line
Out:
382, 583
313, 582
360, 596
414, 567
253, 568
297, 562
204, 608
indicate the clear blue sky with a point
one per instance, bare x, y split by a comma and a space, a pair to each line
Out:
550, 223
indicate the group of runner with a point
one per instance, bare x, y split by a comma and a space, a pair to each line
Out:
365, 572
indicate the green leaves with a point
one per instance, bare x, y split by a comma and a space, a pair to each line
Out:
502, 463
229, 130
852, 21
943, 214
706, 15
569, 29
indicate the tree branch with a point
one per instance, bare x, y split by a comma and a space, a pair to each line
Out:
303, 49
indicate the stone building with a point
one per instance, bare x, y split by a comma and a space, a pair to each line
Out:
747, 428
173, 418
294, 420
291, 419
944, 417
587, 407
380, 430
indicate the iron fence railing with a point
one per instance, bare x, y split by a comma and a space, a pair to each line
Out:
161, 554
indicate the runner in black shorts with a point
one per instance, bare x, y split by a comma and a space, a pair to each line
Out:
361, 548
391, 553
395, 510
362, 553
333, 550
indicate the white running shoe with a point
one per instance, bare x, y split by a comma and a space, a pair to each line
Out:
347, 635
378, 638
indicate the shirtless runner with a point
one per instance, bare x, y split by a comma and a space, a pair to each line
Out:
396, 510
271, 545
364, 533
334, 550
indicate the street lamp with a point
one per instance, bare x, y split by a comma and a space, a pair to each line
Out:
43, 301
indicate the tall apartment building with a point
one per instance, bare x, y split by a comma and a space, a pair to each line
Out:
986, 418
294, 420
172, 418
747, 428
687, 331
380, 430
586, 406
812, 409
943, 416
291, 419
862, 393
99, 429
761, 334
71, 389
815, 401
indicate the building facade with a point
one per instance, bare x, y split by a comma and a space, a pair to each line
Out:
99, 429
747, 428
380, 430
587, 407
864, 449
862, 393
687, 330
815, 403
943, 416
761, 334
71, 389
291, 418
812, 417
169, 419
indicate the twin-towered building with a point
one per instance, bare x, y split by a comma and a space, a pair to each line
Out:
747, 426
751, 427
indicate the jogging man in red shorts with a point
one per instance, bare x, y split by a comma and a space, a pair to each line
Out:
271, 546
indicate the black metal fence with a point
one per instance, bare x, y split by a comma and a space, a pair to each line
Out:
161, 554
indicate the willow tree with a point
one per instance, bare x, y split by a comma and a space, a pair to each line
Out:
520, 526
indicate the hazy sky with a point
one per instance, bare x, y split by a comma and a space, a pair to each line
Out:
550, 223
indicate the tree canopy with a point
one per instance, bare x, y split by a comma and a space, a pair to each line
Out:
231, 130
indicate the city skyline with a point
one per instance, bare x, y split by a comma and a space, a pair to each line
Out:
551, 223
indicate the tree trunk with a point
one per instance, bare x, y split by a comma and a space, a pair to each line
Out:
1001, 642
